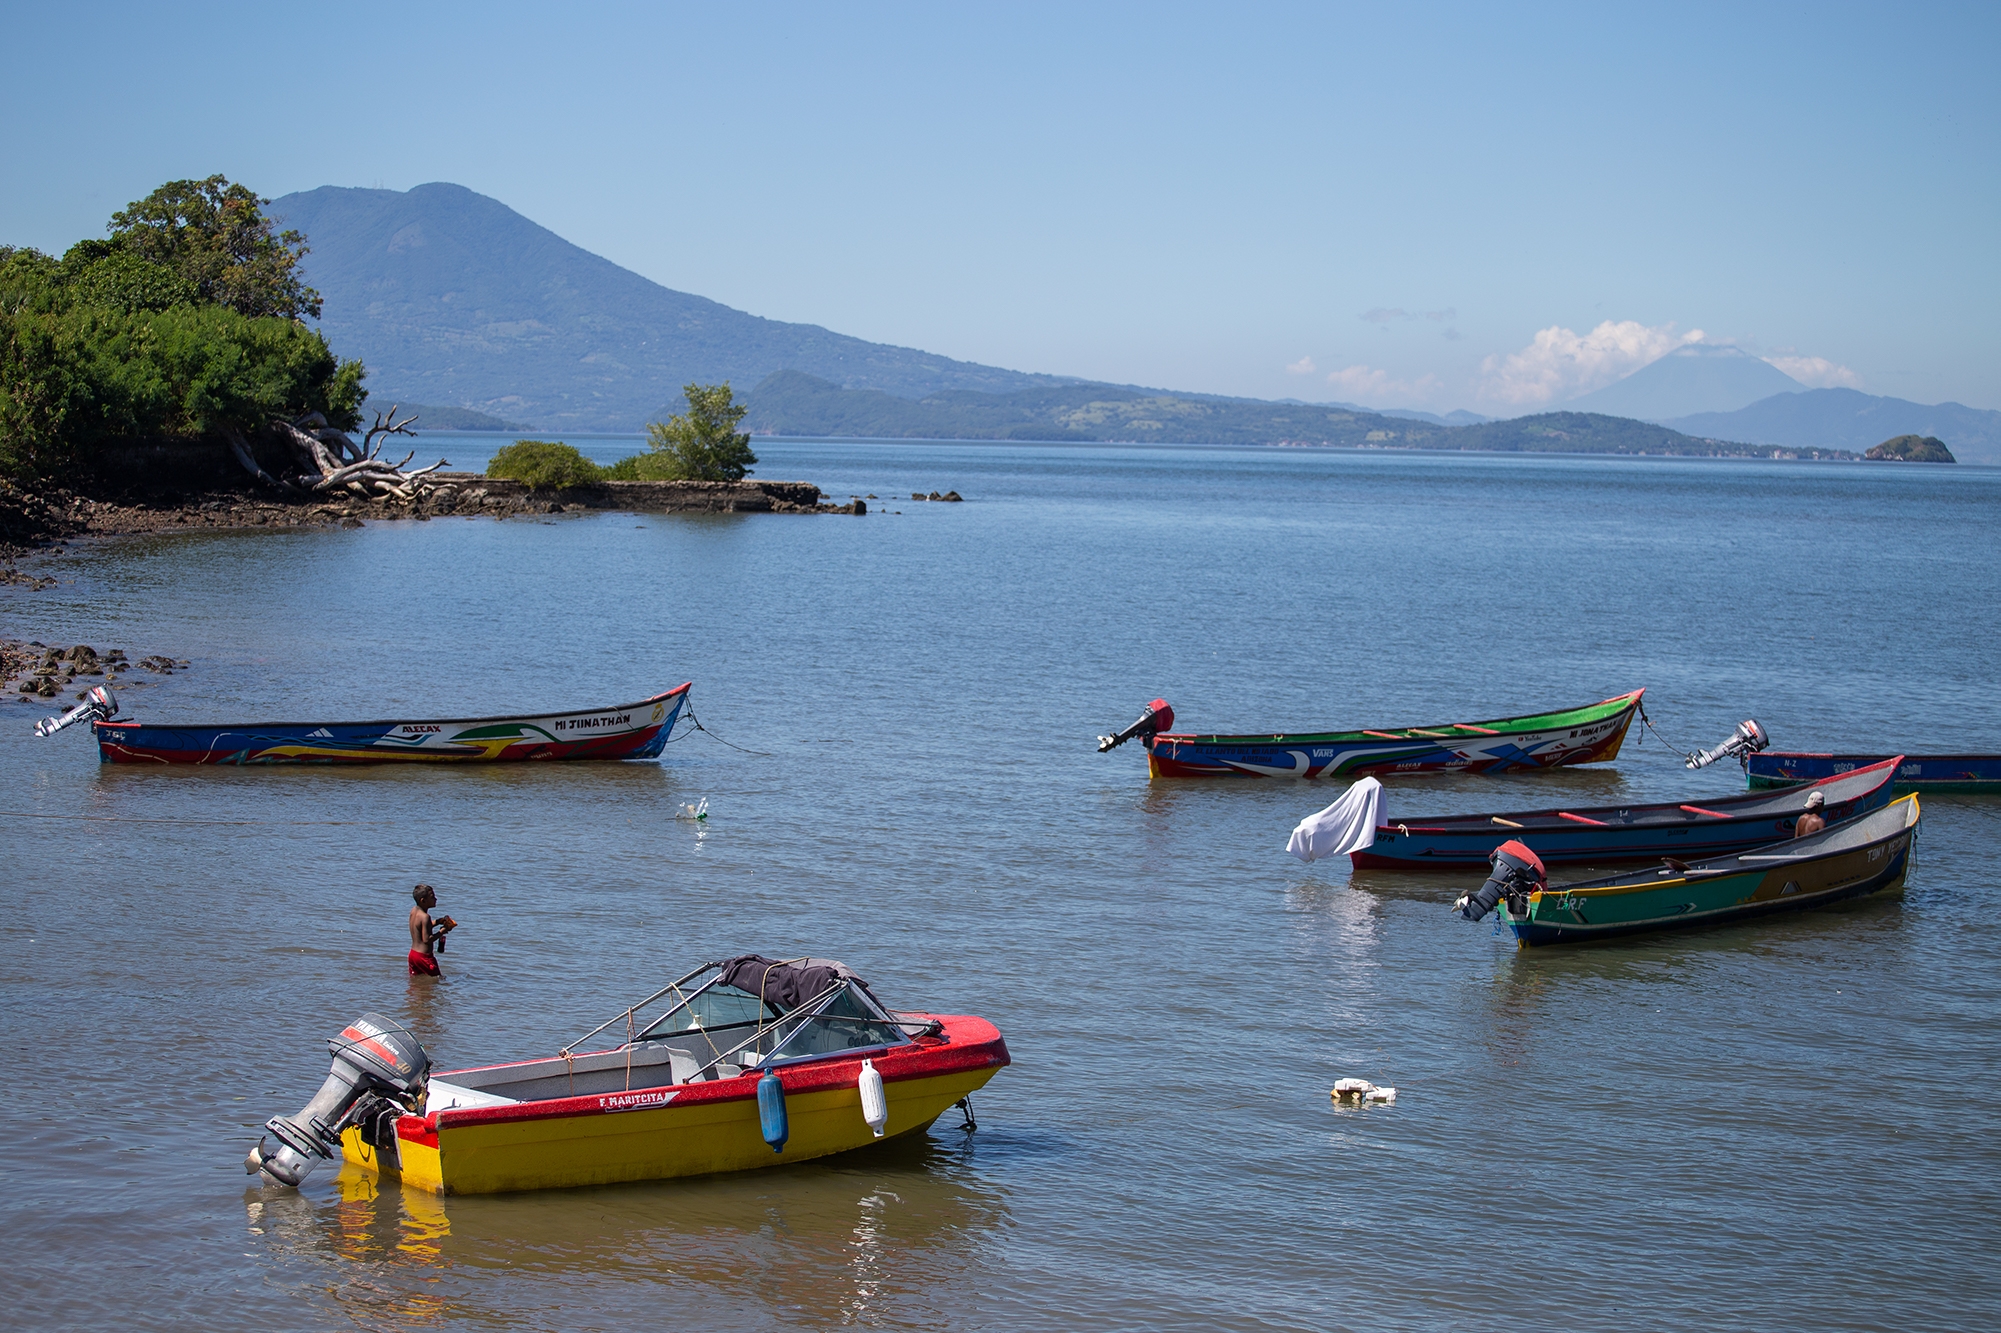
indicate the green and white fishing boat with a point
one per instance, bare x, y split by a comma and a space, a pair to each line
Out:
1864, 856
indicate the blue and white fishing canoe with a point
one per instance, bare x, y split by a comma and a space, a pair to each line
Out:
1915, 772
1605, 834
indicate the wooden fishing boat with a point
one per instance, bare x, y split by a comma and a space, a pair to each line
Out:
629, 731
1498, 745
1915, 772
1600, 834
1870, 854
742, 1063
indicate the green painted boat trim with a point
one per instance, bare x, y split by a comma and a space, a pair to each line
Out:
1505, 726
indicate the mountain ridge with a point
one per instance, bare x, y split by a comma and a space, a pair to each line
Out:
451, 297
1851, 419
1698, 377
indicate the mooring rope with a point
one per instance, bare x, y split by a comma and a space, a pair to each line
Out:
696, 722
1649, 723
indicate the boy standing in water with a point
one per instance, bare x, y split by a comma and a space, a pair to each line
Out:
427, 935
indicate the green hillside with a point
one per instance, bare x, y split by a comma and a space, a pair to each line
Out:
794, 403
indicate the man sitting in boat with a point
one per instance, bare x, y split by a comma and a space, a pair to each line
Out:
427, 936
1812, 821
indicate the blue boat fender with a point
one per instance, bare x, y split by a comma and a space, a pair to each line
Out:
771, 1111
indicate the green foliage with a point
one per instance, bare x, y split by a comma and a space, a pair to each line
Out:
214, 237
701, 444
1912, 449
105, 346
545, 465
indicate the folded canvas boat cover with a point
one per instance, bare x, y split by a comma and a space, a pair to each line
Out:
787, 983
1346, 826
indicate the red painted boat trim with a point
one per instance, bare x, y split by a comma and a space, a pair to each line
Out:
1580, 819
967, 1043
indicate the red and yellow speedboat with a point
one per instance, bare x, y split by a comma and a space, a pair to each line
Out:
748, 1062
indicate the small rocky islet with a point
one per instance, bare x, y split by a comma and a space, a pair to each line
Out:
35, 670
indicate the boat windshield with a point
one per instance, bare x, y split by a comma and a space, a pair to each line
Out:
718, 1007
846, 1021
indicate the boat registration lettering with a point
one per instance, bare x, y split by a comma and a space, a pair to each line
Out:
635, 1101
409, 729
589, 723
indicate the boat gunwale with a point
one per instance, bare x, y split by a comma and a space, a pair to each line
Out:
1466, 825
1505, 726
923, 1058
682, 688
1616, 885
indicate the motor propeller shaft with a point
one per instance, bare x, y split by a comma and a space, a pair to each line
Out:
1154, 718
1747, 739
99, 705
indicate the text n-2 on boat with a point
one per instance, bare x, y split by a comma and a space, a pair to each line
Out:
629, 731
1357, 826
743, 1063
1497, 745
1915, 772
1870, 854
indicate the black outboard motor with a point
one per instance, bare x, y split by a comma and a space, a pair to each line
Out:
1157, 717
377, 1067
99, 705
1748, 739
1517, 873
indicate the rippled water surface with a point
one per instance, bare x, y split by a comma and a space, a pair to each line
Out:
1789, 1124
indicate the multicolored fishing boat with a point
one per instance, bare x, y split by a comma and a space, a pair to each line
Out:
1915, 772
629, 731
1599, 834
1870, 854
747, 1062
1498, 745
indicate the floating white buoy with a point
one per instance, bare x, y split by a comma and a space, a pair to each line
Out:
1359, 1091
875, 1106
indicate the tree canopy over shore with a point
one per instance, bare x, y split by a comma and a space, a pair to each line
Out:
185, 322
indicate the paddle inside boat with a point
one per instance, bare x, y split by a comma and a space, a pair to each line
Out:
746, 1062
629, 731
1543, 740
1870, 854
1712, 826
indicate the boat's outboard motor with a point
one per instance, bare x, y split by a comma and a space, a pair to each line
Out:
1748, 739
1517, 873
1157, 717
99, 705
376, 1062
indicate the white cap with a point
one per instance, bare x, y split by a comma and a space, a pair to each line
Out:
1815, 800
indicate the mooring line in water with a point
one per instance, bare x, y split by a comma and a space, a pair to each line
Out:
141, 819
689, 709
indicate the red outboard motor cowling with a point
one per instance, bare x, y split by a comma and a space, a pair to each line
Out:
1517, 873
375, 1060
1155, 718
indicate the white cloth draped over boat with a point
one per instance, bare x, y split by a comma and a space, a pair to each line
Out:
1346, 826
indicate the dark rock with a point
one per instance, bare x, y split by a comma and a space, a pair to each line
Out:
954, 496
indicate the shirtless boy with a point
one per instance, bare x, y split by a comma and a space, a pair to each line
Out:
427, 934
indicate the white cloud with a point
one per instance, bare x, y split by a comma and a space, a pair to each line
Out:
1817, 372
1561, 364
1303, 366
1378, 388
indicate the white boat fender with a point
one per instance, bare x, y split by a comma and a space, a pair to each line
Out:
875, 1106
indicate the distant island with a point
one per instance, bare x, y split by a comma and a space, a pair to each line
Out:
1912, 449
792, 402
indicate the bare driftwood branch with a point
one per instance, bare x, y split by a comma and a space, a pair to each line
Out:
331, 460
241, 448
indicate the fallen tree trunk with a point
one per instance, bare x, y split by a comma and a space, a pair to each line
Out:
329, 459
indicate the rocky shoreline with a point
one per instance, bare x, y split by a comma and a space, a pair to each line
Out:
31, 519
32, 670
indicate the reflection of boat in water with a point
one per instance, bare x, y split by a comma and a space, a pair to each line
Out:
1596, 834
1574, 736
743, 1063
1863, 856
628, 731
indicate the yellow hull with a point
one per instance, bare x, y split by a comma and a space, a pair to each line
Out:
475, 1155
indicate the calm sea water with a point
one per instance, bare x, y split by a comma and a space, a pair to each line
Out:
1786, 1125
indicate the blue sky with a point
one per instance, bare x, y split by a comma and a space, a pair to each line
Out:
1492, 207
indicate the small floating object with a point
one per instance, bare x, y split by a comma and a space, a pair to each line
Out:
771, 1118
1361, 1092
875, 1107
698, 812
